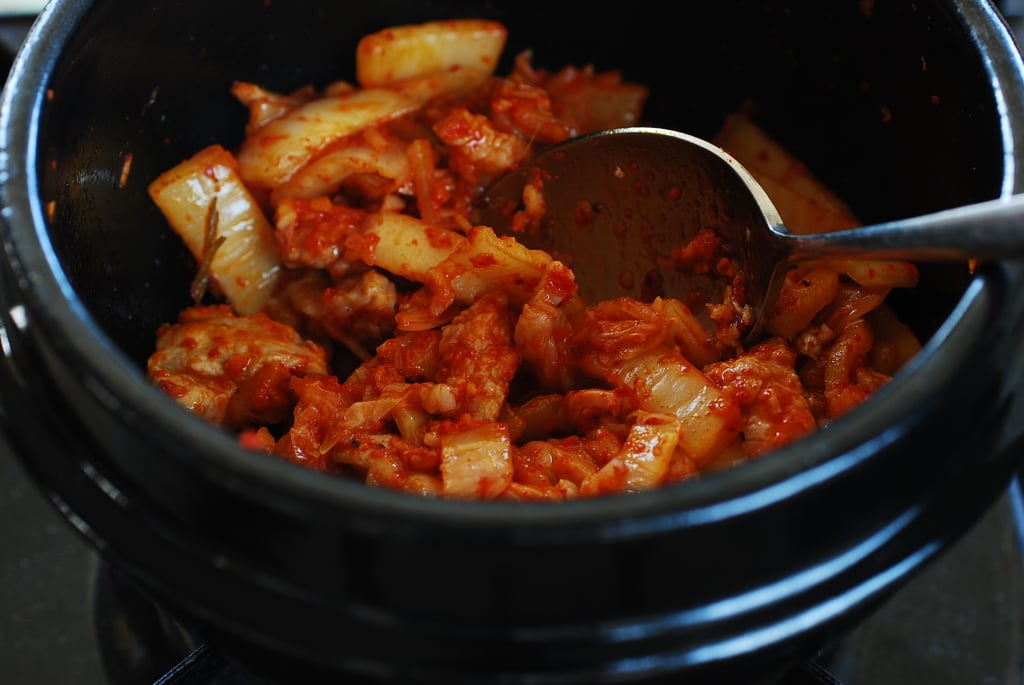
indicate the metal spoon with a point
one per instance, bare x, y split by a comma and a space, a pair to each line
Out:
617, 201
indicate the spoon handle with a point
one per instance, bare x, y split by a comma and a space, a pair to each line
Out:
987, 230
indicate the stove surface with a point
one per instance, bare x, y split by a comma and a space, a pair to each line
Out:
960, 621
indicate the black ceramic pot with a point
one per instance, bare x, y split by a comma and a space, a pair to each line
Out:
903, 107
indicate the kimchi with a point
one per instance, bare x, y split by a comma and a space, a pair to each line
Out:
349, 315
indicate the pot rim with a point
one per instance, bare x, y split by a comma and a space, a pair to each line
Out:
56, 315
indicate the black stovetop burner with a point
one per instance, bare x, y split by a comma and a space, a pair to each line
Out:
67, 617
139, 643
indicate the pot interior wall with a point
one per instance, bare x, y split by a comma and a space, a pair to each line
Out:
891, 107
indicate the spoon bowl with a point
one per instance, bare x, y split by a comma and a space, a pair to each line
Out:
616, 203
